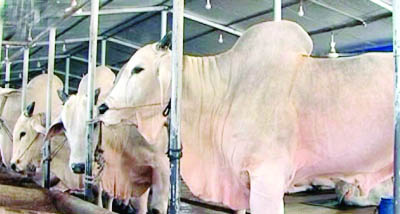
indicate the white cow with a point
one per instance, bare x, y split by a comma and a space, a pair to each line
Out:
131, 165
10, 102
265, 115
29, 133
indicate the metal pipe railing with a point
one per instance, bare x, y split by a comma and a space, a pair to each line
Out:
50, 73
94, 25
396, 53
175, 148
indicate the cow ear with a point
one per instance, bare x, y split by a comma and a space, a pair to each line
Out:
57, 128
62, 95
37, 124
165, 42
96, 95
29, 110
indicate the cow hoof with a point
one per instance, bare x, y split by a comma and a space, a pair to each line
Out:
155, 211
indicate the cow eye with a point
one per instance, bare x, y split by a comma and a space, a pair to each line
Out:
137, 70
22, 135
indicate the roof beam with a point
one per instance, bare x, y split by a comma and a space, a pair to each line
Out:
125, 10
350, 24
383, 4
338, 11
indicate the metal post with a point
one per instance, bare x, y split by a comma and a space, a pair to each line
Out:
103, 52
164, 23
50, 72
8, 69
24, 78
396, 53
175, 149
67, 67
277, 10
1, 25
94, 18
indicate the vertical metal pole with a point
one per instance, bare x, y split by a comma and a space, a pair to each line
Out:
94, 18
25, 71
277, 10
164, 23
175, 150
1, 25
67, 67
396, 53
8, 68
50, 73
103, 52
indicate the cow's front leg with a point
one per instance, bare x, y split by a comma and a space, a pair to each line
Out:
160, 188
267, 190
140, 203
240, 212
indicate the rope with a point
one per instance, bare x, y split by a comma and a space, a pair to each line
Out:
55, 152
29, 146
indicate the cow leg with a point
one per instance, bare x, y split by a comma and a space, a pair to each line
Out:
109, 204
99, 197
267, 190
240, 212
160, 188
140, 203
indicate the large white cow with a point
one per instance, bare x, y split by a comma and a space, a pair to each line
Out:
265, 115
10, 102
131, 165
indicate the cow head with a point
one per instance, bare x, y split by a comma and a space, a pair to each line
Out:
143, 81
28, 140
72, 122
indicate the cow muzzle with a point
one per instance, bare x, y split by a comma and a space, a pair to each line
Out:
78, 168
103, 108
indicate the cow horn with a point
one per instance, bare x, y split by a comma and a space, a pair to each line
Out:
165, 42
96, 95
29, 110
62, 95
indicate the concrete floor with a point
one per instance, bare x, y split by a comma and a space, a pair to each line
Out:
294, 204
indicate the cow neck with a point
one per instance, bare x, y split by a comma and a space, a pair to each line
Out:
2, 121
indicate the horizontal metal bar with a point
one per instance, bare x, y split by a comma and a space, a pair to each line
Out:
39, 59
18, 44
124, 10
41, 69
383, 4
201, 20
338, 11
80, 59
123, 43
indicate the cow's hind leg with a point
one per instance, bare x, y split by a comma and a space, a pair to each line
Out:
140, 203
267, 190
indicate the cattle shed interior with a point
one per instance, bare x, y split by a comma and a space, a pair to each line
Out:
338, 28
358, 26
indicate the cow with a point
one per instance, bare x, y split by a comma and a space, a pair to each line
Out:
28, 144
265, 115
29, 132
131, 164
10, 102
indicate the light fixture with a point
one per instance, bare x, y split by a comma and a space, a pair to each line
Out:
220, 39
38, 64
208, 5
301, 10
64, 48
332, 53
